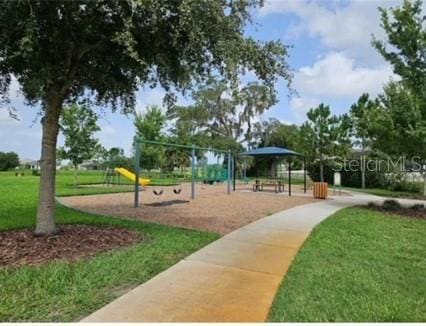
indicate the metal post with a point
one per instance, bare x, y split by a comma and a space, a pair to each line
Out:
233, 173
137, 173
193, 172
304, 174
289, 177
229, 172
245, 170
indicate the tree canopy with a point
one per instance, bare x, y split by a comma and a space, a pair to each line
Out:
324, 135
8, 160
59, 51
360, 115
78, 125
149, 126
398, 125
405, 45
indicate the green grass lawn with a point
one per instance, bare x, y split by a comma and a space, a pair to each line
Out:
68, 291
388, 193
358, 265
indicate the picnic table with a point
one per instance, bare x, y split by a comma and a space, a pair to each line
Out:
277, 185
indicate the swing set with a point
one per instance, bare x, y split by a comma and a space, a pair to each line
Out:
177, 190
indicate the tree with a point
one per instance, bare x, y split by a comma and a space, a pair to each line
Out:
184, 130
149, 126
405, 46
114, 157
8, 160
62, 50
78, 125
324, 135
397, 126
360, 118
275, 133
229, 113
401, 117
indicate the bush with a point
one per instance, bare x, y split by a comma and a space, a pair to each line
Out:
35, 173
417, 207
373, 179
348, 178
372, 204
391, 204
314, 171
397, 182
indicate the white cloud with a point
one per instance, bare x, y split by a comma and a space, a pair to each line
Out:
336, 75
107, 131
339, 27
5, 117
301, 105
334, 78
149, 97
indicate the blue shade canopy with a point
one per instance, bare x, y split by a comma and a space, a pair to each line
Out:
270, 151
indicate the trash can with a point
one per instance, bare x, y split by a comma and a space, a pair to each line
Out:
320, 190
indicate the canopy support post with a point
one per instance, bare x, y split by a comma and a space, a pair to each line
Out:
245, 170
289, 177
304, 174
229, 172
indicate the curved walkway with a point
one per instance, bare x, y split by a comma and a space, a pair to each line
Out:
233, 279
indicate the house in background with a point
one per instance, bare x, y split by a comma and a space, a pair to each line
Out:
29, 164
90, 165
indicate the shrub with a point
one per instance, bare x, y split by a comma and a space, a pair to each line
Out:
417, 207
391, 204
314, 171
373, 179
397, 182
372, 204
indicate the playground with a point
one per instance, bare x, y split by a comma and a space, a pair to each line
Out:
212, 210
206, 197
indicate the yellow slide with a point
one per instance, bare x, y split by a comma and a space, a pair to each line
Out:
131, 176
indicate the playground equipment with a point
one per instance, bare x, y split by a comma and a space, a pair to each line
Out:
193, 148
212, 173
178, 190
131, 176
111, 177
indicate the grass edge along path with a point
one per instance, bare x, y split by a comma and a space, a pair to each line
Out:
358, 265
60, 291
387, 193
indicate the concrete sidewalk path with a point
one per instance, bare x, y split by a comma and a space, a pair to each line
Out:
233, 279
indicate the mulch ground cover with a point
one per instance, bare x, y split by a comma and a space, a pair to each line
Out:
73, 242
419, 213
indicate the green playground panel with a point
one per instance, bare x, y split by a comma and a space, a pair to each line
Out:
212, 172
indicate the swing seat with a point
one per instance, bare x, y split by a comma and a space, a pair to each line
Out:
177, 191
159, 193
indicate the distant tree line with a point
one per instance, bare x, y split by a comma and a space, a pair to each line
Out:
8, 160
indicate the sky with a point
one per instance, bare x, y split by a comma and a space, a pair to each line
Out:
331, 58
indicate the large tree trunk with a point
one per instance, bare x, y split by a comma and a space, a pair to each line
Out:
75, 175
46, 204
